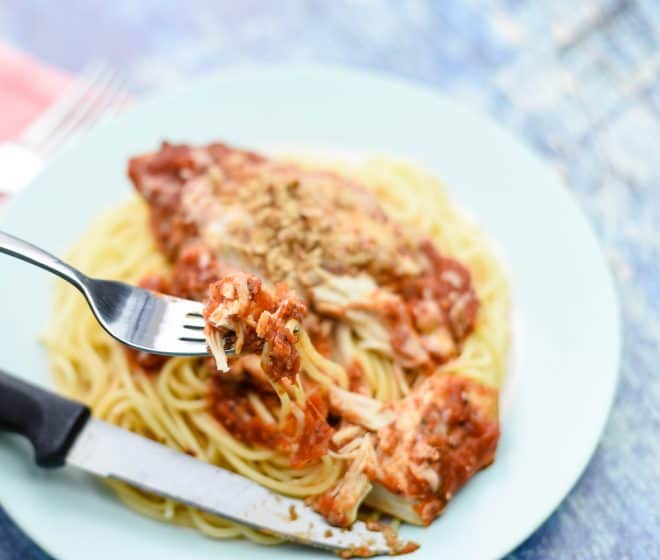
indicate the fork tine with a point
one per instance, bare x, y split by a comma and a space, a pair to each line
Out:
116, 103
193, 325
178, 333
194, 321
90, 108
108, 102
41, 128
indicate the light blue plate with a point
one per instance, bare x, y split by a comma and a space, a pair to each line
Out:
566, 336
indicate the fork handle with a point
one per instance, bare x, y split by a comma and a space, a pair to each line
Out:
49, 421
30, 253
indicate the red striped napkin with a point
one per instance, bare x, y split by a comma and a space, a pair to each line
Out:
27, 87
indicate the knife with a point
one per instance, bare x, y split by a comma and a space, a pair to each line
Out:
63, 432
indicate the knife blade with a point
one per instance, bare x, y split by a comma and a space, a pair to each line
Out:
111, 452
62, 432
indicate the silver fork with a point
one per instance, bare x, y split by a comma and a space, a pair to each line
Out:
97, 94
141, 319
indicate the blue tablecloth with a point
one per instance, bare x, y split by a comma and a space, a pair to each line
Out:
578, 80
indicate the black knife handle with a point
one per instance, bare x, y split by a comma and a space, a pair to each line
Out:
49, 421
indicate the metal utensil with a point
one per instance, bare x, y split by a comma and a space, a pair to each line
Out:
141, 319
98, 93
62, 433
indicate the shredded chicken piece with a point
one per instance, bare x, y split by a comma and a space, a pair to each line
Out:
443, 432
425, 447
359, 409
340, 504
241, 308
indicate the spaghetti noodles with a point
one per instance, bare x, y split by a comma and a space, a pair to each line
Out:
331, 432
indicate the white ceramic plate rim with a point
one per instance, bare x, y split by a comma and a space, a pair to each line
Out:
336, 109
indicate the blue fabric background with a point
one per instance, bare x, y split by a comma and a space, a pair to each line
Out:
576, 79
